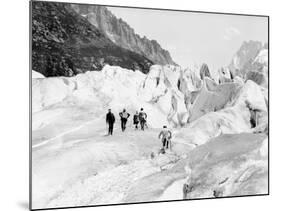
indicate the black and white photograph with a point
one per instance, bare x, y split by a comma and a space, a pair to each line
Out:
134, 105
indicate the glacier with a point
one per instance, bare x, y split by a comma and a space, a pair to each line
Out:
219, 145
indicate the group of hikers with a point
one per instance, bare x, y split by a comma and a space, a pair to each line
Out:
140, 118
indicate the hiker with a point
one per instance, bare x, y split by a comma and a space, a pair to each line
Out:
165, 136
142, 118
110, 119
124, 117
136, 120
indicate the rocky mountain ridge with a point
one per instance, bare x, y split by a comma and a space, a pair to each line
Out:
65, 44
118, 31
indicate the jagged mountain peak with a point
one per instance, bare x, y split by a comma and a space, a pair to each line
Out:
122, 34
246, 54
251, 62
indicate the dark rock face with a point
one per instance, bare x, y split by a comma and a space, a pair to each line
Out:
64, 43
122, 34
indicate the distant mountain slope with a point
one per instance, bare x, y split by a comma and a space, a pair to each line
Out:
251, 62
122, 34
245, 55
65, 44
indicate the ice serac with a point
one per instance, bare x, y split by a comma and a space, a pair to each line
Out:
66, 44
212, 97
118, 31
167, 92
245, 111
251, 62
204, 71
225, 75
162, 92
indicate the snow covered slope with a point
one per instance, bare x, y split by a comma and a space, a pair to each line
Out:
229, 165
74, 162
37, 74
262, 57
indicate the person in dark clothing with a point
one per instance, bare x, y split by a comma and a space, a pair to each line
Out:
142, 118
124, 117
136, 120
110, 120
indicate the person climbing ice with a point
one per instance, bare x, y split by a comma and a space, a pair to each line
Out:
124, 115
110, 120
165, 135
142, 118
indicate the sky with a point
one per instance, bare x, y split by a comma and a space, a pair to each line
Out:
193, 38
